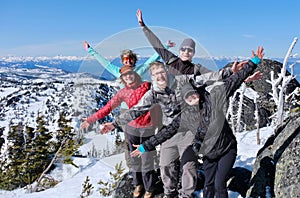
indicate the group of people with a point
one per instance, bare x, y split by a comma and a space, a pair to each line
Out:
193, 102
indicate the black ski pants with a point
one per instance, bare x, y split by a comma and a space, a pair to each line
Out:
216, 172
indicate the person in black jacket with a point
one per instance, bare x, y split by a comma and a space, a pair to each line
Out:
176, 65
165, 92
214, 139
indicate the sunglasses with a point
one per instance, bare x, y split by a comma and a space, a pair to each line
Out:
127, 58
186, 48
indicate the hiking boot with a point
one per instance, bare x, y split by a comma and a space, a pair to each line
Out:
148, 194
138, 191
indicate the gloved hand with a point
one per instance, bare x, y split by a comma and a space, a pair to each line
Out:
196, 146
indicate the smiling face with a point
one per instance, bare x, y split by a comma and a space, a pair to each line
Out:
128, 77
192, 99
128, 57
127, 60
186, 53
159, 74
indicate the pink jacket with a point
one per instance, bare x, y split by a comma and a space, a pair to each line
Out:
131, 96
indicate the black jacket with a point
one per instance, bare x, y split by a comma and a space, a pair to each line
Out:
175, 65
208, 123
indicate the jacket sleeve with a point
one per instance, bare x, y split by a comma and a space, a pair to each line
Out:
113, 69
141, 70
199, 69
211, 77
222, 90
142, 107
164, 53
104, 111
165, 133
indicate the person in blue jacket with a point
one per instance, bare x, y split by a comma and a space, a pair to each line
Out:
128, 57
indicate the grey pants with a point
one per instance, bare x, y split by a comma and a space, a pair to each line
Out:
179, 147
142, 167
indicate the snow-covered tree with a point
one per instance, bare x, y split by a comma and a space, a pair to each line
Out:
294, 100
240, 107
279, 85
236, 118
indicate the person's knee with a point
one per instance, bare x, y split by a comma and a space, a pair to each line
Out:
189, 165
190, 169
168, 163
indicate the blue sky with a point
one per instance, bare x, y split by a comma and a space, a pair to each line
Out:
223, 28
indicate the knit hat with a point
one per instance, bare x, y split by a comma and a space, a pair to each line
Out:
188, 43
126, 68
187, 90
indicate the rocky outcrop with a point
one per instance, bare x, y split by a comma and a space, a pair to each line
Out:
276, 169
266, 104
238, 181
125, 188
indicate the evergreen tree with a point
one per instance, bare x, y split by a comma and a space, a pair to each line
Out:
29, 169
11, 173
66, 138
38, 150
87, 188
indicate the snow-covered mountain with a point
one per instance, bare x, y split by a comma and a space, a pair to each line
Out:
78, 64
52, 85
24, 93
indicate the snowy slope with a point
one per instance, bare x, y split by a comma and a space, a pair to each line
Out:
46, 90
73, 178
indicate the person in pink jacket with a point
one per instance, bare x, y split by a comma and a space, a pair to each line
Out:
136, 132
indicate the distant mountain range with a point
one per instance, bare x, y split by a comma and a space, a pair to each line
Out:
74, 64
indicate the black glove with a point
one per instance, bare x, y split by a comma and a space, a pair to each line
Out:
199, 137
196, 145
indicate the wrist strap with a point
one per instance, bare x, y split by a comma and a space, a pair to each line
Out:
141, 148
256, 60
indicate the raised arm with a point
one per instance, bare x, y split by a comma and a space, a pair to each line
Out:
105, 110
113, 69
213, 76
142, 69
234, 82
164, 53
